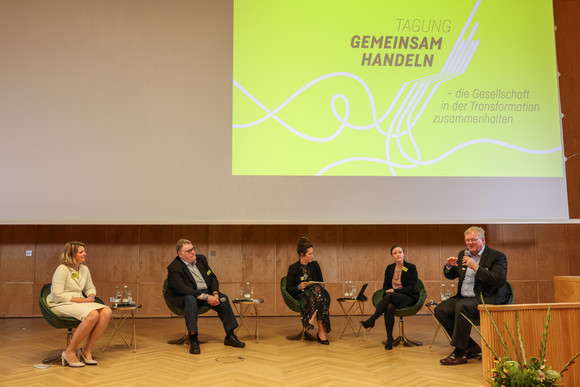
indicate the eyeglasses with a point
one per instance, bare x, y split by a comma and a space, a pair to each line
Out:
471, 240
189, 251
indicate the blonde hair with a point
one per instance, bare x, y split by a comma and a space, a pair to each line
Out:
480, 231
67, 257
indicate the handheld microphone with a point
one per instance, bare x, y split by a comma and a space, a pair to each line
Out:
222, 299
468, 253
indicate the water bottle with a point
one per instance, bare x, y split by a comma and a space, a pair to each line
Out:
443, 294
125, 299
452, 290
247, 292
346, 290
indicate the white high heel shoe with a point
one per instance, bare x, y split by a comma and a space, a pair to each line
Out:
83, 358
70, 364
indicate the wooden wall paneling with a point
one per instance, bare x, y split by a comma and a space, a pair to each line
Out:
17, 299
551, 250
358, 255
336, 290
150, 295
50, 241
36, 288
259, 254
226, 242
95, 239
520, 251
525, 292
122, 260
286, 237
425, 250
156, 247
494, 236
328, 250
385, 237
573, 247
15, 266
546, 291
571, 147
567, 36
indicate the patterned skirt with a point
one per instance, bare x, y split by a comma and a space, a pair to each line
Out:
314, 300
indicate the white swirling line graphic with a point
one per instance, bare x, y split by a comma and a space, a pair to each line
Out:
455, 65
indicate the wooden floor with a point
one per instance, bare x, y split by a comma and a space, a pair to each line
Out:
274, 361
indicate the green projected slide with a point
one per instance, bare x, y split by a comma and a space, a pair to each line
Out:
395, 88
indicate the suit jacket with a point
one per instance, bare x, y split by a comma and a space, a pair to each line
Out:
490, 277
409, 279
67, 283
180, 281
293, 278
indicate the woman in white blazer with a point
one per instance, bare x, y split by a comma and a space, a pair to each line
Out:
70, 280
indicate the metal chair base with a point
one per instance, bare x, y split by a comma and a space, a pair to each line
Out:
402, 339
302, 336
54, 359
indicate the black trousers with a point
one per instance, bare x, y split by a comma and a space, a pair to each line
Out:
224, 311
448, 313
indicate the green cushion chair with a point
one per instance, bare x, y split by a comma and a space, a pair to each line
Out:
404, 312
56, 321
179, 312
294, 305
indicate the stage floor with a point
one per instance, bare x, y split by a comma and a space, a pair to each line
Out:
273, 361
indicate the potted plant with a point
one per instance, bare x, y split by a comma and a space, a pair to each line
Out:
521, 371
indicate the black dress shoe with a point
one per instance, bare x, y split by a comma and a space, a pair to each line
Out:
194, 345
454, 360
473, 352
389, 344
233, 341
325, 342
309, 327
367, 325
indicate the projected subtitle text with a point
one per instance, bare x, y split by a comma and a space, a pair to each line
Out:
498, 102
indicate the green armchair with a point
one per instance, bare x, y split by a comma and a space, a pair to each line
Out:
294, 305
56, 321
404, 312
179, 312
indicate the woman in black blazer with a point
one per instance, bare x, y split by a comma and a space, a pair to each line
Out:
400, 288
312, 299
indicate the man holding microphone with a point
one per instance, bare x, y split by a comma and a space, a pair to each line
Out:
482, 272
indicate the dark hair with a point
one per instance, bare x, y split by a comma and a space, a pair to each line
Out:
303, 245
395, 246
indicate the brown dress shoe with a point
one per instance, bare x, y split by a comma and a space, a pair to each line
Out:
473, 352
453, 360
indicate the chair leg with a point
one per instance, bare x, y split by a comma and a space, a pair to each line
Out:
54, 359
403, 339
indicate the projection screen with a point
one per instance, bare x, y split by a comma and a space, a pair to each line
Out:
260, 111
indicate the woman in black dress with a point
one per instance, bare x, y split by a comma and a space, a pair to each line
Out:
313, 303
400, 287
